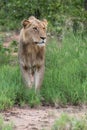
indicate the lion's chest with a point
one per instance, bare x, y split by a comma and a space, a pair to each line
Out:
34, 59
34, 56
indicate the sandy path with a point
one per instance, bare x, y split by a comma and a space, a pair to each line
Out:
39, 118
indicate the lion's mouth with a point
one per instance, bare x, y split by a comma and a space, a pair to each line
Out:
42, 42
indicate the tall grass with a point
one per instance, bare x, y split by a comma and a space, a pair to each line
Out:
13, 90
65, 79
66, 71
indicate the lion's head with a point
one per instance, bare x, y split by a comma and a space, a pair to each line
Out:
34, 31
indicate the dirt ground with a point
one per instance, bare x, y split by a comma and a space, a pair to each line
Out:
41, 118
8, 37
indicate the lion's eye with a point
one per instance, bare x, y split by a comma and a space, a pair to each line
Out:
35, 28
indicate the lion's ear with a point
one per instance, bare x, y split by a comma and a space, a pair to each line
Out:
45, 22
25, 23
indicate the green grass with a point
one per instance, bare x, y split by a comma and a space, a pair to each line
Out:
13, 90
66, 71
65, 79
66, 122
5, 126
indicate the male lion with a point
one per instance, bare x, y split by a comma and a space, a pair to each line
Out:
32, 51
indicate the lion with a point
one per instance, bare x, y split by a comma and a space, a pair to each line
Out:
31, 51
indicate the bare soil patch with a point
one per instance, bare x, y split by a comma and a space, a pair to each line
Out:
40, 118
8, 37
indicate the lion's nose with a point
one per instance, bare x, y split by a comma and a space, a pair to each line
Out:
43, 38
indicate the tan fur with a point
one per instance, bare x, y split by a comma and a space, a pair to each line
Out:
32, 51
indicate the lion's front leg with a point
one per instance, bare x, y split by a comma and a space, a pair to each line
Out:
27, 76
38, 77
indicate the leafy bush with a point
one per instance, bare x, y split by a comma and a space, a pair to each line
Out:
57, 12
4, 55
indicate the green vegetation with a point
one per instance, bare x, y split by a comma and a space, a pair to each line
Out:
70, 123
59, 13
66, 72
13, 90
4, 126
65, 78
